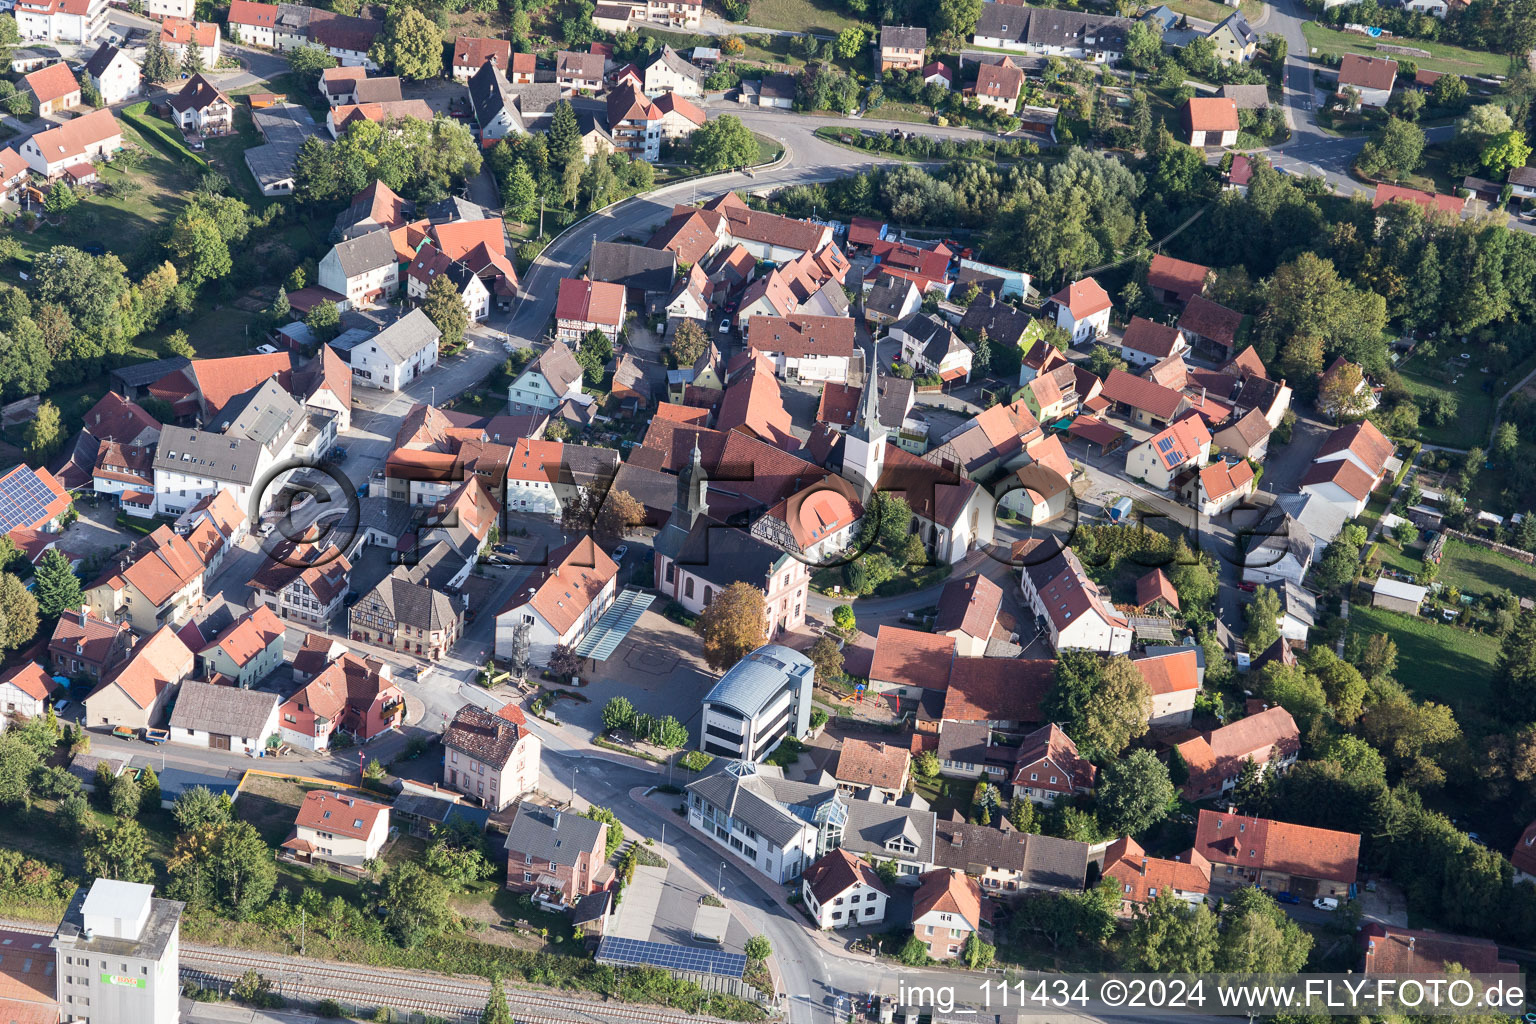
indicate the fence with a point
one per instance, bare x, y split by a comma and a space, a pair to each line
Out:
1517, 554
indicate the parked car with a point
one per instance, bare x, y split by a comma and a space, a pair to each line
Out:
61, 706
725, 325
266, 529
1287, 897
506, 549
619, 552
1246, 587
1326, 903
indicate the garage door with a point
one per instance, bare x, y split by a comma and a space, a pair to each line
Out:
218, 742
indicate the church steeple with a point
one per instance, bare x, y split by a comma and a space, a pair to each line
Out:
864, 445
693, 486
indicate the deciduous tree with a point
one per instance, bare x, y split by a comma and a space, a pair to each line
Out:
618, 713
1263, 621
120, 851
1134, 793
18, 613
733, 625
411, 44
414, 904
44, 436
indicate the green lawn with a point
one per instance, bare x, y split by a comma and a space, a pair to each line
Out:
1403, 561
1434, 661
1474, 406
1475, 570
768, 150
227, 155
121, 224
803, 16
1447, 58
1210, 10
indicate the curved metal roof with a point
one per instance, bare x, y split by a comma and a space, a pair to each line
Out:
751, 682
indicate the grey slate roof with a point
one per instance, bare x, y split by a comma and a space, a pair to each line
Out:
452, 209
1243, 31
633, 266
934, 335
551, 835
137, 375
487, 92
557, 364
903, 37
674, 61
765, 802
722, 554
411, 604
888, 294
1247, 97
1044, 27
408, 335
1046, 862
226, 710
366, 252
265, 414
1004, 324
871, 826
100, 60
207, 453
378, 90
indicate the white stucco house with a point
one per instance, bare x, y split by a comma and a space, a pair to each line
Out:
561, 603
398, 354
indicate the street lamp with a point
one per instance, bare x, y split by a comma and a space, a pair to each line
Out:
720, 880
574, 772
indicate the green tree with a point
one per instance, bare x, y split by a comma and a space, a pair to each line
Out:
18, 612
158, 65
192, 60
19, 761
618, 713
758, 948
1295, 689
926, 764
1178, 768
446, 311
520, 193
689, 342
61, 198
308, 61
55, 584
1144, 46
1169, 936
202, 253
1134, 794
280, 307
1344, 685
411, 44
324, 320
44, 436
913, 952
496, 1010
670, 733
1449, 92
593, 355
724, 142
125, 796
1257, 937
827, 658
1263, 621
120, 851
457, 856
565, 150
614, 838
1102, 705
149, 788
1398, 146
849, 42
414, 904
1514, 676
977, 954
199, 806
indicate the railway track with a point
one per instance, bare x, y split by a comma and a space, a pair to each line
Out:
453, 999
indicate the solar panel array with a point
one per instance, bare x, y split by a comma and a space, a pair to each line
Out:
23, 499
616, 950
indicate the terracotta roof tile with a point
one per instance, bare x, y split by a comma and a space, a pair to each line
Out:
598, 302
1140, 877
1184, 278
53, 82
1297, 850
1353, 480
997, 689
158, 662
863, 763
1367, 72
1155, 585
1140, 393
566, 588
951, 892
907, 657
1210, 114
836, 872
30, 678
1050, 744
343, 814
1393, 950
969, 604
473, 51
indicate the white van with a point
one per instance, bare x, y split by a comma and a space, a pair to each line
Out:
1326, 903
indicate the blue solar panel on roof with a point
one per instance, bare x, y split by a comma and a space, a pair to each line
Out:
1164, 444
23, 499
617, 950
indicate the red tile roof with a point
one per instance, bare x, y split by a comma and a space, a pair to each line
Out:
970, 605
1139, 877
1050, 744
1429, 201
672, 103
1210, 114
473, 51
838, 871
157, 663
220, 380
180, 31
800, 335
950, 892
564, 590
864, 763
1350, 478
934, 493
1140, 393
1175, 672
30, 678
907, 657
598, 302
997, 689
1179, 276
681, 413
1212, 321
245, 12
755, 404
1083, 298
1000, 81
1296, 850
1523, 857
864, 230
53, 82
1393, 950
1153, 586
1222, 478
1154, 339
1366, 72
1219, 754
1246, 364
689, 235
343, 814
